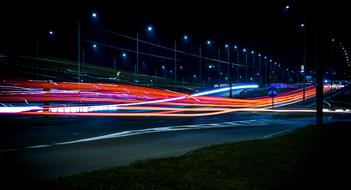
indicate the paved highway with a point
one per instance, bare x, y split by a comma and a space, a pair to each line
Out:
66, 145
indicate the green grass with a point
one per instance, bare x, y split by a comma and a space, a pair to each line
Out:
308, 158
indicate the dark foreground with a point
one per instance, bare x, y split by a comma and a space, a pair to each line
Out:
310, 158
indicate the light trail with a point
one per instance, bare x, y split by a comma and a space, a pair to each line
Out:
135, 98
170, 114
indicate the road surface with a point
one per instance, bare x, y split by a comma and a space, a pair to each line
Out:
68, 145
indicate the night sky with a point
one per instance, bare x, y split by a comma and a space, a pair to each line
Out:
262, 26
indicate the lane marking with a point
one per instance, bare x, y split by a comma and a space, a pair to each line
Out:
279, 133
230, 124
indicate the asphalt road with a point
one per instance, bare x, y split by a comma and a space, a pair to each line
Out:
47, 147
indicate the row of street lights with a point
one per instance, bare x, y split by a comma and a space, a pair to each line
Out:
256, 70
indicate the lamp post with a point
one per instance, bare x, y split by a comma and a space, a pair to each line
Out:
78, 47
164, 71
137, 56
304, 60
219, 66
230, 66
237, 62
244, 50
148, 29
200, 65
253, 63
94, 16
175, 60
270, 71
259, 69
265, 70
303, 81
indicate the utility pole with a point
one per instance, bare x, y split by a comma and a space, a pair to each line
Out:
83, 62
304, 60
319, 84
238, 68
219, 66
114, 65
78, 47
137, 57
200, 64
230, 67
175, 60
253, 66
245, 67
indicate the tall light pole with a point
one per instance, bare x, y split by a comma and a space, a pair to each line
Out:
230, 66
244, 50
304, 60
149, 29
259, 68
265, 70
253, 64
208, 43
270, 71
137, 56
200, 65
219, 66
83, 61
175, 60
164, 71
237, 62
303, 81
78, 51
114, 65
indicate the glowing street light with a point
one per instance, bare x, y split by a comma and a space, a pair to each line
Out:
149, 28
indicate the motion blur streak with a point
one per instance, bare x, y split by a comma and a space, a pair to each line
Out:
128, 99
169, 114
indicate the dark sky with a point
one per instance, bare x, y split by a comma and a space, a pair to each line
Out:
263, 26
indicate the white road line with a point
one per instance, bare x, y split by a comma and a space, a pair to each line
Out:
278, 133
39, 146
253, 122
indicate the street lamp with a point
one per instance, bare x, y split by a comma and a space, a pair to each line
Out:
237, 62
229, 71
265, 71
270, 71
304, 81
244, 50
164, 71
175, 60
219, 66
200, 52
185, 38
253, 63
259, 69
304, 60
149, 28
